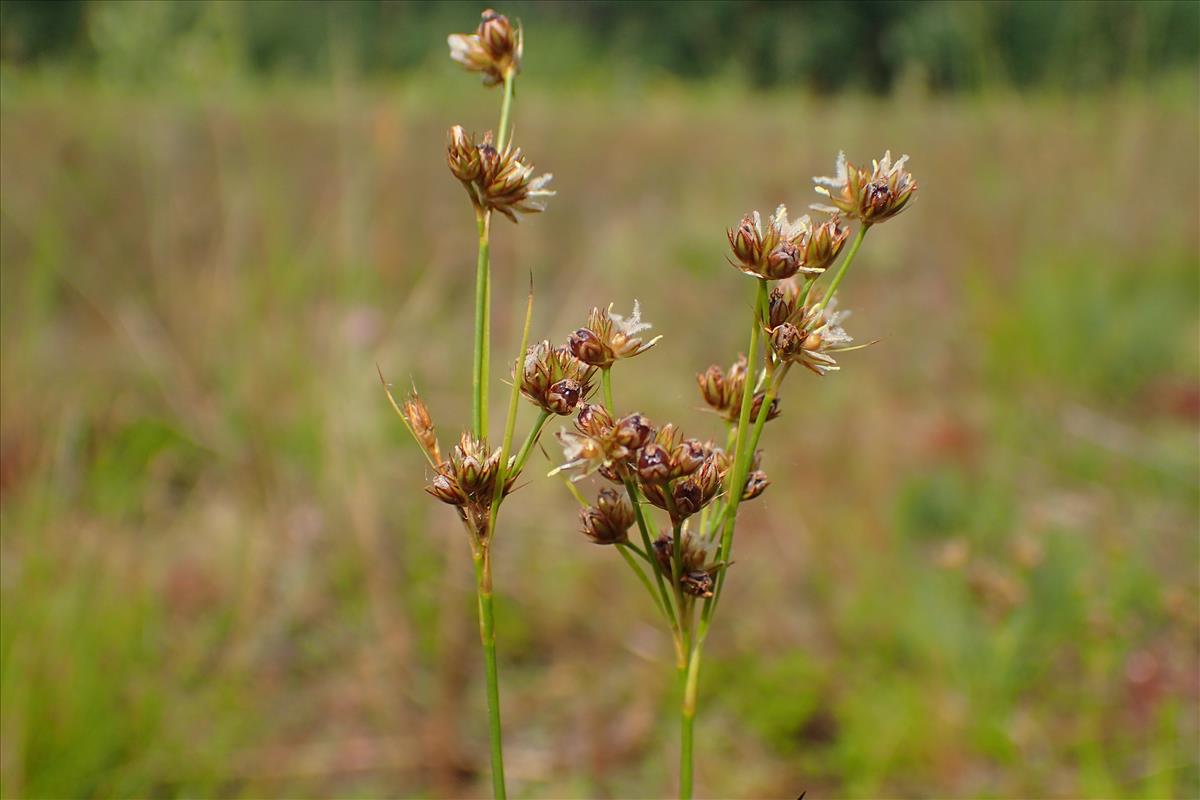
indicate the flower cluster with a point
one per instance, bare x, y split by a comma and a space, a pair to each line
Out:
609, 520
807, 335
467, 479
723, 392
494, 49
555, 380
607, 337
780, 249
699, 565
499, 180
869, 196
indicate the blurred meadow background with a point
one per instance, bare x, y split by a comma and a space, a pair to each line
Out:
976, 573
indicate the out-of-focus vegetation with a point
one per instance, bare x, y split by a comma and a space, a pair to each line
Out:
974, 575
825, 46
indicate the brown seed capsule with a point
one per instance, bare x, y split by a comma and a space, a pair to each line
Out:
593, 420
654, 463
698, 583
786, 340
870, 196
608, 337
590, 349
463, 156
687, 457
609, 520
783, 261
553, 379
633, 431
712, 387
494, 49
756, 483
822, 245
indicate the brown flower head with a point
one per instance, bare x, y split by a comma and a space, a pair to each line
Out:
868, 195
769, 251
722, 392
494, 49
598, 443
555, 380
499, 180
608, 521
608, 337
468, 476
812, 339
689, 494
699, 566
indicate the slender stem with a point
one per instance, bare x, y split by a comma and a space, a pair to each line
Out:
502, 135
688, 718
751, 370
606, 382
482, 292
624, 549
487, 636
631, 490
530, 441
837, 279
510, 422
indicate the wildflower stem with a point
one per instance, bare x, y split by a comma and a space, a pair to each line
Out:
510, 423
487, 636
530, 441
510, 81
482, 324
606, 382
837, 278
688, 719
624, 549
631, 490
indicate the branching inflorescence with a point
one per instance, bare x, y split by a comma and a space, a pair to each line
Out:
698, 484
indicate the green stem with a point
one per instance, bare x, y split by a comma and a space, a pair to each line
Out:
631, 490
841, 273
482, 293
688, 720
751, 372
487, 636
624, 550
606, 382
502, 135
530, 441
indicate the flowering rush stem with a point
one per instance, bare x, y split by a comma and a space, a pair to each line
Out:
487, 637
841, 273
479, 375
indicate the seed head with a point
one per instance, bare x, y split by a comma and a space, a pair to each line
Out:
608, 337
698, 557
811, 341
494, 49
608, 521
499, 180
769, 251
689, 494
870, 196
468, 477
756, 483
722, 392
555, 380
597, 443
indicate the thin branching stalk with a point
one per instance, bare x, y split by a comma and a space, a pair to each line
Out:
487, 637
479, 375
841, 273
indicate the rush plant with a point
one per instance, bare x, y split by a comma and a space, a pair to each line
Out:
648, 475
